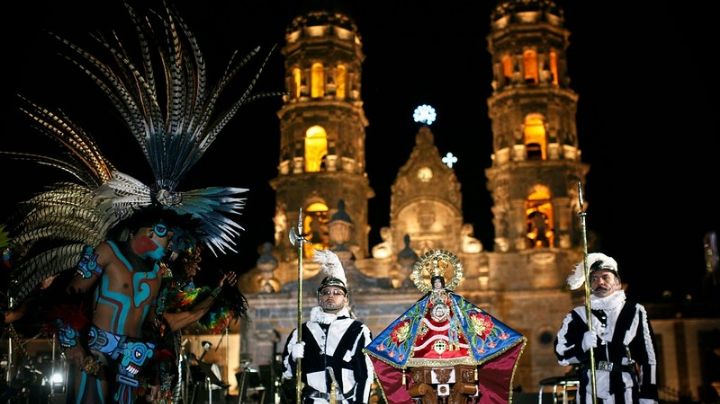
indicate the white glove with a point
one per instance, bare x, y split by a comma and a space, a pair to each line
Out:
298, 350
589, 340
647, 401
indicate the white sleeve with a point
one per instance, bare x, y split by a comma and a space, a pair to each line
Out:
288, 361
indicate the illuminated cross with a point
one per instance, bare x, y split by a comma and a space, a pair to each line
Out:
449, 159
424, 114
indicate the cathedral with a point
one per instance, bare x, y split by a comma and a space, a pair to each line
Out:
322, 192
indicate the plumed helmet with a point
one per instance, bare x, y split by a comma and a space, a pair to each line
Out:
330, 281
595, 261
332, 267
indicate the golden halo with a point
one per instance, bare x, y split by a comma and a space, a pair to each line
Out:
435, 263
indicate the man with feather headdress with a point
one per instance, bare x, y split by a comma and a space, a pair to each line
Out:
109, 228
332, 343
126, 278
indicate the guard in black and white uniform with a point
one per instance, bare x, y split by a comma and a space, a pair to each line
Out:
621, 337
332, 344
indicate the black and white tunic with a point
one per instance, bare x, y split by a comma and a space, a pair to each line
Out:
335, 341
625, 342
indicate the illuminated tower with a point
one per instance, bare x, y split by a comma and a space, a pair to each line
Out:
322, 125
536, 161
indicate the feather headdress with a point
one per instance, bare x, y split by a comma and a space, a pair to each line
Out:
175, 134
332, 268
4, 238
595, 261
163, 97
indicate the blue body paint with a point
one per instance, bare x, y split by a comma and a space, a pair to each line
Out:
120, 302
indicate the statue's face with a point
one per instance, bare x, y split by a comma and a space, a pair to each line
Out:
437, 283
331, 299
604, 283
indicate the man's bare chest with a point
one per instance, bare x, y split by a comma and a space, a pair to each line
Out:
136, 287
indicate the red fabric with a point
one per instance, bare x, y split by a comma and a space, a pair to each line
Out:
391, 381
495, 376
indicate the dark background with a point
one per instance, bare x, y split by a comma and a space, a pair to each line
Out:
646, 119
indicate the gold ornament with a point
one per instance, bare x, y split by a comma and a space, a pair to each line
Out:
436, 263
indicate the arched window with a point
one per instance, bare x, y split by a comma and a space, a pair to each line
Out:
315, 228
315, 148
535, 137
530, 65
297, 82
507, 67
317, 82
539, 218
554, 66
341, 82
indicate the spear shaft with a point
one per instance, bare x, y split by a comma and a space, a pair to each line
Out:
297, 239
8, 376
588, 311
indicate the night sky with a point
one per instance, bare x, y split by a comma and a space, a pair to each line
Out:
646, 116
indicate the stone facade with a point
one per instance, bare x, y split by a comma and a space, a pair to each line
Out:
520, 282
534, 181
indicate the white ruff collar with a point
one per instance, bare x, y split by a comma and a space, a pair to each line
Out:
317, 315
611, 302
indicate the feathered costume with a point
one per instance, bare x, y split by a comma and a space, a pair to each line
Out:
180, 294
172, 137
165, 102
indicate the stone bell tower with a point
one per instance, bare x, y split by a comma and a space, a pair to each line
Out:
322, 125
536, 163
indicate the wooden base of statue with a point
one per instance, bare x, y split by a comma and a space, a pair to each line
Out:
445, 385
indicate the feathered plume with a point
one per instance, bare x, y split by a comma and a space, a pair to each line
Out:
164, 98
166, 102
4, 238
330, 264
595, 261
51, 229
